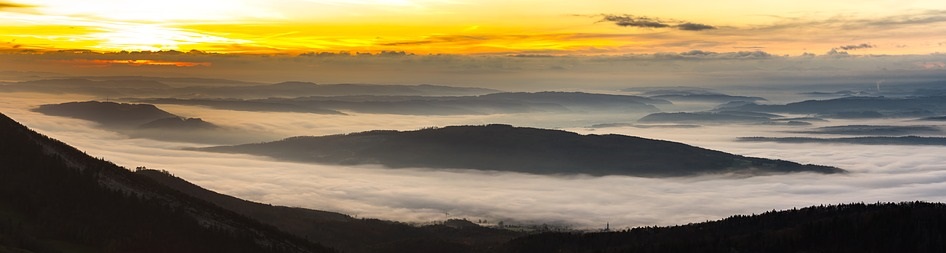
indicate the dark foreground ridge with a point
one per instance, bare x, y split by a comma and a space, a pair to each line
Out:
55, 198
887, 227
518, 149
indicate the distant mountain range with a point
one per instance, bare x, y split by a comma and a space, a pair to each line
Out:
516, 102
517, 149
858, 107
216, 88
707, 117
865, 140
708, 98
877, 130
691, 95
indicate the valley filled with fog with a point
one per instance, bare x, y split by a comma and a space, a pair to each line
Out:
421, 195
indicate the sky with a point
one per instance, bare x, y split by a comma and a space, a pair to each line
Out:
780, 50
599, 27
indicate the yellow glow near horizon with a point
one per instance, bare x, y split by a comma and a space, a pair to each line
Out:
470, 27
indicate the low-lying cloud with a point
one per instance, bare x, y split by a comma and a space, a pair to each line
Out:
878, 173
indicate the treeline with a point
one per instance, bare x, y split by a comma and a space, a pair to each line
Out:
881, 227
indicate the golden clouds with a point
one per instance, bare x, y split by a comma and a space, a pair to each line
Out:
464, 27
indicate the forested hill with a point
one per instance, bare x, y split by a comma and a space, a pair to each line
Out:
903, 227
519, 149
55, 198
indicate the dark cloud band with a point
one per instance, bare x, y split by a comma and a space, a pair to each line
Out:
627, 20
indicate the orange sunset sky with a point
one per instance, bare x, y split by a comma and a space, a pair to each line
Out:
599, 27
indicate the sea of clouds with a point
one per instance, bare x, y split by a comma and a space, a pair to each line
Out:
876, 173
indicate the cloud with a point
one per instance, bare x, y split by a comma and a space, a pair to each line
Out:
701, 54
7, 5
634, 21
694, 27
919, 18
856, 47
627, 20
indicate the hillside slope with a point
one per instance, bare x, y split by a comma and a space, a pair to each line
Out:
55, 198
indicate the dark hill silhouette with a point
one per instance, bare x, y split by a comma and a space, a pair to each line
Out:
111, 87
346, 233
107, 113
517, 149
54, 198
903, 227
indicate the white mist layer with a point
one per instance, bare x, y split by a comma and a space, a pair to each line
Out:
877, 173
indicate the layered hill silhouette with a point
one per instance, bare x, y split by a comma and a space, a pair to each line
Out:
706, 117
518, 149
859, 107
506, 102
54, 198
863, 140
130, 86
875, 130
